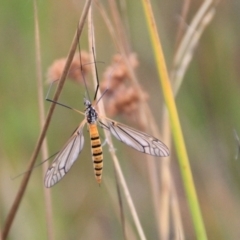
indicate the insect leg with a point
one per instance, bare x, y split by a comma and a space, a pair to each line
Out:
58, 103
96, 72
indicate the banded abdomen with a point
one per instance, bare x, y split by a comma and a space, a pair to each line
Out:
97, 155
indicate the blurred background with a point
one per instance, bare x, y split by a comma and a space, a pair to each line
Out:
208, 102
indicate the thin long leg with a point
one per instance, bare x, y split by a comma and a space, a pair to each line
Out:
81, 69
35, 166
105, 91
58, 103
102, 95
96, 72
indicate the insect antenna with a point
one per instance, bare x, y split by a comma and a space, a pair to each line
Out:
81, 70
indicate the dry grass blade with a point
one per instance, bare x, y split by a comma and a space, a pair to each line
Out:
113, 155
185, 51
121, 33
144, 111
47, 193
177, 221
25, 180
129, 230
122, 216
203, 16
183, 17
147, 122
175, 124
187, 39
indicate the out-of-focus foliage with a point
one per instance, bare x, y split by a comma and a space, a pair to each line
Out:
208, 104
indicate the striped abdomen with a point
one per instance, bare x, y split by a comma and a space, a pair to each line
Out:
97, 154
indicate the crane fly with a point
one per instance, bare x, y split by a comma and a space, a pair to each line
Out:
65, 158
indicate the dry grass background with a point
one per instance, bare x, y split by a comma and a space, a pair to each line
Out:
207, 103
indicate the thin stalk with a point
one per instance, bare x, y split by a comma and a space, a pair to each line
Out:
144, 114
181, 66
130, 232
32, 161
177, 75
39, 78
175, 124
191, 31
112, 153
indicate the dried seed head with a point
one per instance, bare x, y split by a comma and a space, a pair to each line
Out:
75, 74
122, 97
118, 72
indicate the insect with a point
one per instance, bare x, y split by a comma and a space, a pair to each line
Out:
69, 153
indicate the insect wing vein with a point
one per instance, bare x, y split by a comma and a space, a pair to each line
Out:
135, 139
65, 158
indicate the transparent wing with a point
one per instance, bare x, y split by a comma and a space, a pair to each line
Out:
65, 158
135, 139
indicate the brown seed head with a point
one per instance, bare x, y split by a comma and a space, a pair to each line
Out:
75, 74
122, 97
